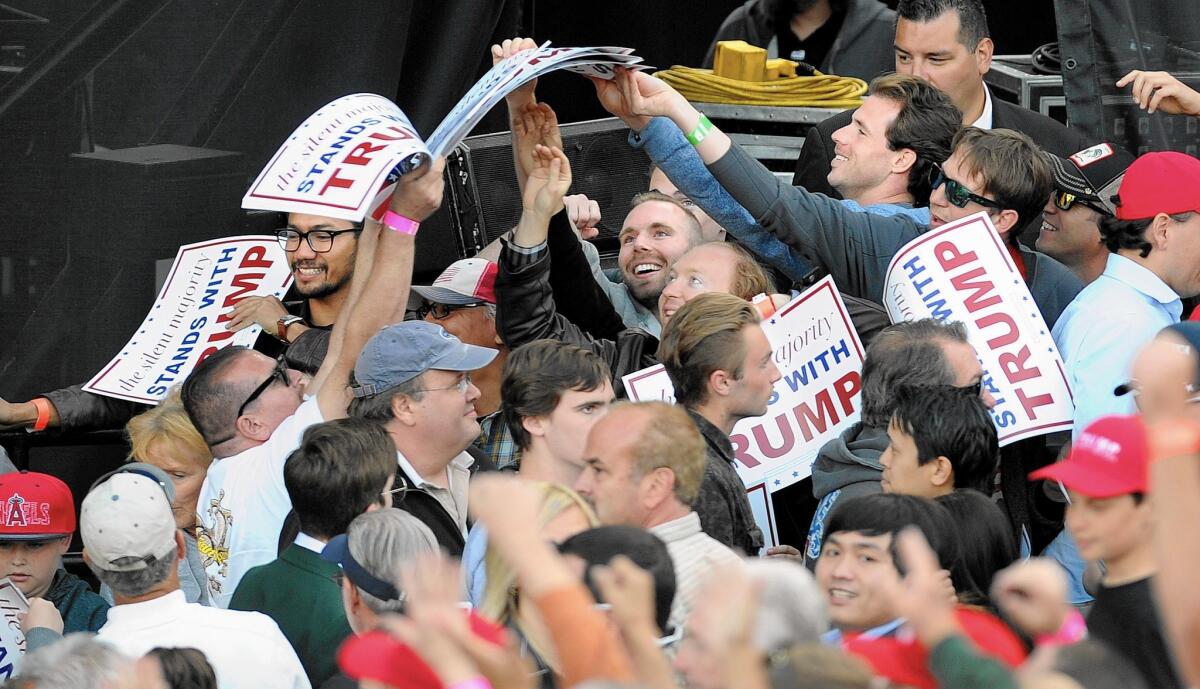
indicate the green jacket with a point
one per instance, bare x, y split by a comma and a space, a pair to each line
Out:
82, 609
300, 593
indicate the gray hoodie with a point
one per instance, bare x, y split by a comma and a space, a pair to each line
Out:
846, 467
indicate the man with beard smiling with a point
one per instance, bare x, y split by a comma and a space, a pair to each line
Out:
321, 253
527, 309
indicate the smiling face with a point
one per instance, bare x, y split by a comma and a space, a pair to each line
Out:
931, 50
31, 565
862, 159
706, 268
858, 578
1071, 236
319, 275
655, 235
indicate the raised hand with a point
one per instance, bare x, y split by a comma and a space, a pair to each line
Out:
264, 312
1160, 91
548, 182
584, 214
648, 95
41, 613
921, 596
629, 589
1033, 594
418, 194
506, 49
533, 124
612, 98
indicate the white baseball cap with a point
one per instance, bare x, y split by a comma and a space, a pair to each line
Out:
127, 518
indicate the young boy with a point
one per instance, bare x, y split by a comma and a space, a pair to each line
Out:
939, 439
1109, 516
37, 519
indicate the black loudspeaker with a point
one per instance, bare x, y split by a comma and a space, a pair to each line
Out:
483, 200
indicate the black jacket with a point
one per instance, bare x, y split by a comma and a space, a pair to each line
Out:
723, 507
526, 312
863, 47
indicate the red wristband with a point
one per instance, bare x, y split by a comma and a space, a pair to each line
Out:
43, 413
398, 223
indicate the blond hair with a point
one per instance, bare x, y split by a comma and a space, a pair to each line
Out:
670, 440
704, 336
167, 421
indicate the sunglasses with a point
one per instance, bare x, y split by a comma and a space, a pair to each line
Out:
280, 373
1064, 200
443, 311
957, 194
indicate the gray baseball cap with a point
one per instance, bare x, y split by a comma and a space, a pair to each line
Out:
403, 351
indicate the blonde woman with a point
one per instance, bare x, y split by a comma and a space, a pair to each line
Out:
166, 438
563, 514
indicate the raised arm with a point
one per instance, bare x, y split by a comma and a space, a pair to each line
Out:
383, 275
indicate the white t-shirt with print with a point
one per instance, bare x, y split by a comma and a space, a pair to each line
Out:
243, 503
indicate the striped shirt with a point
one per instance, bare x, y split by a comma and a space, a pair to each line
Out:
694, 554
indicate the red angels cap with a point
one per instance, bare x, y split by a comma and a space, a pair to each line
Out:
463, 282
35, 507
379, 656
1159, 182
1107, 459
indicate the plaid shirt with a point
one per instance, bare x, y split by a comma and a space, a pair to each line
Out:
497, 442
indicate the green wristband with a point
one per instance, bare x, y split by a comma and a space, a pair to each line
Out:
702, 130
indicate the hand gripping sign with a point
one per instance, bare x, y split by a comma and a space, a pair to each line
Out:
187, 321
820, 356
341, 162
963, 272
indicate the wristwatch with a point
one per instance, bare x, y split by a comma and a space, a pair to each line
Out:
281, 327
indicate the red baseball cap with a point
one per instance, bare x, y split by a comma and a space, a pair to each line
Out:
1159, 182
1107, 459
381, 657
35, 507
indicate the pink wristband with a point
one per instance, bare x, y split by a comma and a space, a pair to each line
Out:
1073, 629
398, 223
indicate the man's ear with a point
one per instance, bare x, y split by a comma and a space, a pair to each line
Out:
943, 472
720, 382
905, 159
533, 425
660, 486
403, 409
1005, 220
180, 545
983, 55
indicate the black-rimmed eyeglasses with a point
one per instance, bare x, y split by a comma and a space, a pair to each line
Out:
280, 373
319, 241
442, 311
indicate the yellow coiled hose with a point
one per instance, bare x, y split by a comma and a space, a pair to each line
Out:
820, 91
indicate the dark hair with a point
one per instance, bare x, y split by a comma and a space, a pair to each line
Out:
952, 423
926, 124
537, 374
340, 468
1014, 171
184, 668
1131, 234
908, 353
972, 19
886, 514
210, 401
704, 336
985, 534
600, 545
1095, 665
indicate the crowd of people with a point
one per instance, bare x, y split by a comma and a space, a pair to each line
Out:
443, 486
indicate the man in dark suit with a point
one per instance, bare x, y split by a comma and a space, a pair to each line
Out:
946, 43
342, 469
